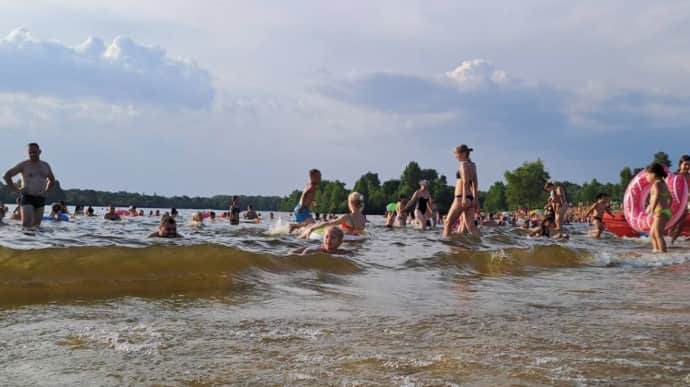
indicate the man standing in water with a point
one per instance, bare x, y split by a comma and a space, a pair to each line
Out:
37, 180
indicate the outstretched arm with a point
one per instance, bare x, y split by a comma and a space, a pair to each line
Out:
311, 228
412, 202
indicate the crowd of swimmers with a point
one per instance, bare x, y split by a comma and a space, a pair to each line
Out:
464, 216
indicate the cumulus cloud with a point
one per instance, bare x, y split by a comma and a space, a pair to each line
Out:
475, 90
122, 72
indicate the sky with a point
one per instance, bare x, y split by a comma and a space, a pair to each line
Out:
223, 97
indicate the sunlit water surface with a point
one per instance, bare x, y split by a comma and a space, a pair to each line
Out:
90, 302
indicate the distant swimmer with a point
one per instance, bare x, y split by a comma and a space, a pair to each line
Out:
3, 210
332, 239
597, 211
391, 210
234, 211
173, 212
683, 170
401, 213
544, 230
465, 203
659, 206
166, 229
111, 214
301, 213
90, 211
198, 218
250, 214
352, 223
57, 213
37, 180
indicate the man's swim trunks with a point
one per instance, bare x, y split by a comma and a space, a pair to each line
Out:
31, 200
301, 213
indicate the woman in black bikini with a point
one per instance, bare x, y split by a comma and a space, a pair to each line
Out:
464, 204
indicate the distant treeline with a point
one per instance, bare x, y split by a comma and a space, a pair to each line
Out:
90, 197
523, 188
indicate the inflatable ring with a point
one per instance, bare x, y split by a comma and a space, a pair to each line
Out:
637, 194
63, 217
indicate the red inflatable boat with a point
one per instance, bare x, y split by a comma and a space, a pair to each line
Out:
617, 225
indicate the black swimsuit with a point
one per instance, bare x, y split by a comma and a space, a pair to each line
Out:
422, 204
32, 200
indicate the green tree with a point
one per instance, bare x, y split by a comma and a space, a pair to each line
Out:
368, 184
495, 198
390, 189
525, 185
409, 180
626, 176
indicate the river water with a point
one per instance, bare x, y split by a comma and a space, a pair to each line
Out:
90, 302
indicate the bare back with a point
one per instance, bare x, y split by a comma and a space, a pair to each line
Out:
467, 176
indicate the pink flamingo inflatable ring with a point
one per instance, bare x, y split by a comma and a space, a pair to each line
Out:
636, 199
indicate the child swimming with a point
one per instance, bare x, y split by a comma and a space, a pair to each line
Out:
332, 239
301, 213
597, 211
352, 223
659, 205
544, 230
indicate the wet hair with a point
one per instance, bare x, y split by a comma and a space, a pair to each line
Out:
173, 211
33, 144
657, 169
337, 232
601, 195
314, 171
167, 219
683, 159
357, 199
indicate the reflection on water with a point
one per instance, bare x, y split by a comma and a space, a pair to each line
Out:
98, 301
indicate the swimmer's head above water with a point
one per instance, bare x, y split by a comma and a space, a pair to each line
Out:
355, 200
332, 239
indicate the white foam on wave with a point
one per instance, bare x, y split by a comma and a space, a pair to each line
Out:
642, 257
279, 228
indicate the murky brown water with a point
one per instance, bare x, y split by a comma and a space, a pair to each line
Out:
94, 303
